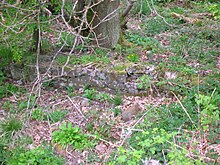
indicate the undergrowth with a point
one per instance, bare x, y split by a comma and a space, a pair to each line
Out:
186, 57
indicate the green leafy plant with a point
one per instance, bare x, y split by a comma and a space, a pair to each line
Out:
156, 25
61, 60
152, 143
209, 110
7, 89
70, 91
144, 82
69, 135
117, 100
116, 111
8, 106
10, 125
131, 157
94, 58
38, 114
90, 93
215, 10
6, 54
39, 155
178, 156
24, 103
133, 58
145, 144
89, 127
103, 97
148, 43
141, 7
57, 115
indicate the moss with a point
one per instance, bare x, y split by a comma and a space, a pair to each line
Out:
121, 67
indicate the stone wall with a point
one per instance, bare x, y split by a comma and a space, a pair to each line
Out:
118, 77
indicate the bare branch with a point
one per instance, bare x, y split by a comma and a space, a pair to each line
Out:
6, 5
128, 8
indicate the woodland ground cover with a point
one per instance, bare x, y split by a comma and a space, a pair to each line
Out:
177, 121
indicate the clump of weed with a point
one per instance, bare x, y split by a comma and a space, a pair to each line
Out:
144, 82
57, 115
133, 58
90, 93
69, 135
93, 94
8, 106
38, 114
39, 155
116, 111
11, 125
103, 97
70, 91
117, 100
215, 10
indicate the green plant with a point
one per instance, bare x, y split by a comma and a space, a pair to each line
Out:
215, 10
172, 116
144, 82
90, 93
17, 53
70, 91
10, 125
8, 106
66, 39
100, 51
178, 156
69, 135
38, 114
24, 103
89, 127
141, 7
145, 144
7, 89
148, 43
57, 115
61, 60
94, 58
117, 100
93, 158
39, 155
103, 97
48, 84
132, 58
209, 109
131, 157
156, 25
152, 143
6, 54
4, 153
116, 111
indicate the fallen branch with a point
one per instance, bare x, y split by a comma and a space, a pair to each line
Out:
77, 108
187, 19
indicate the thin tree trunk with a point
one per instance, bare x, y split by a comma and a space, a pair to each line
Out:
35, 38
107, 23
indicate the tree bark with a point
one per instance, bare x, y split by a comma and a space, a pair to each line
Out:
106, 23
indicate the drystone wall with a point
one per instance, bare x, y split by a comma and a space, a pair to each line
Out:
118, 77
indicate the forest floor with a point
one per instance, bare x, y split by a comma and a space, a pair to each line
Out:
176, 123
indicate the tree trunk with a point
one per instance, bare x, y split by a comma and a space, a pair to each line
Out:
35, 38
107, 23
